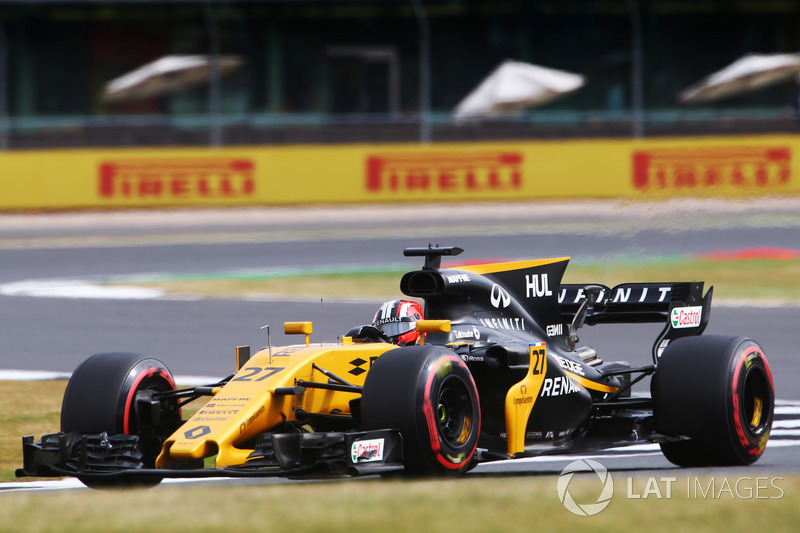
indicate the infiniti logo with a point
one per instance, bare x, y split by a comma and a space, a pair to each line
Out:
499, 297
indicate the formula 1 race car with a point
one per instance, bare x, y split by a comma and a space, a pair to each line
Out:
498, 374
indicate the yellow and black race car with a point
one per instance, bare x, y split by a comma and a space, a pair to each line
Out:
498, 373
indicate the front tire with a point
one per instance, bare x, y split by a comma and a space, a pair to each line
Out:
101, 397
718, 391
429, 395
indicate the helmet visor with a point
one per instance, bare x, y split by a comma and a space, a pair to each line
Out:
397, 326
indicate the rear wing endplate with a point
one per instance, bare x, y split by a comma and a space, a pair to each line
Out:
680, 305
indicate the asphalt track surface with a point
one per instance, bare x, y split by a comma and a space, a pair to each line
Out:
197, 337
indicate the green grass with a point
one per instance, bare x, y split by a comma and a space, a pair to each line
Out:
28, 408
754, 280
473, 504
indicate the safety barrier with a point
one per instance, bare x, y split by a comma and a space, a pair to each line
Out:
621, 168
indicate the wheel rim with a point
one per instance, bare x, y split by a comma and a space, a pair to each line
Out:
756, 401
454, 412
151, 438
154, 380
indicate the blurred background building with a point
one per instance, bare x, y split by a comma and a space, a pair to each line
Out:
380, 70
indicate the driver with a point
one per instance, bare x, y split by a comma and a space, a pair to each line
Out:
395, 322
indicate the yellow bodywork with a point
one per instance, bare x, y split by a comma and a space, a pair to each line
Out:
521, 398
432, 326
247, 405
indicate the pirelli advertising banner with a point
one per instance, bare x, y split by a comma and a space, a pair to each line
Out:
646, 169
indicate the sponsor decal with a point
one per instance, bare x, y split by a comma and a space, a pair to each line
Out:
357, 364
499, 297
540, 435
403, 313
567, 364
624, 294
661, 347
524, 399
558, 386
391, 319
686, 317
252, 418
444, 172
537, 286
176, 179
287, 352
577, 295
198, 418
232, 402
457, 278
508, 323
467, 334
221, 412
196, 432
709, 167
367, 451
554, 330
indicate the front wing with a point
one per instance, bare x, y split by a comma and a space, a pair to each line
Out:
102, 456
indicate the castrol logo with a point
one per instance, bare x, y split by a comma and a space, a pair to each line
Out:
686, 317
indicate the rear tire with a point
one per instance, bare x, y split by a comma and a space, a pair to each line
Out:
429, 395
100, 397
718, 391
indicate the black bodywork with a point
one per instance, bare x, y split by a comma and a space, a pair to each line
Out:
498, 310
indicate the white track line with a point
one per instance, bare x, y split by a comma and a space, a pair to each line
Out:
43, 375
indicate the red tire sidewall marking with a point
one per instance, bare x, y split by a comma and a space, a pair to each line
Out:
752, 448
150, 372
430, 415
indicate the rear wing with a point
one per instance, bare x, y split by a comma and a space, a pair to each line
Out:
681, 306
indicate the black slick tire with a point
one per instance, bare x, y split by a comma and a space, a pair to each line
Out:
718, 391
100, 397
428, 393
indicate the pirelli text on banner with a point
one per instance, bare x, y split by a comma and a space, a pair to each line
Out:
177, 179
453, 172
695, 168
